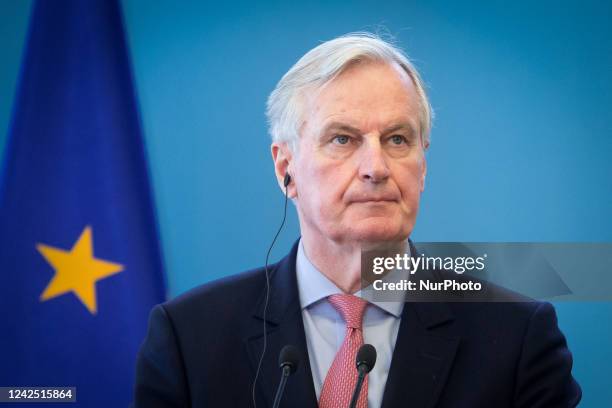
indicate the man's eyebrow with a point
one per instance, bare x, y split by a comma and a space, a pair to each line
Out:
400, 126
340, 126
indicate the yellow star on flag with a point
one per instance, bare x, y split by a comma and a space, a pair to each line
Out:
76, 270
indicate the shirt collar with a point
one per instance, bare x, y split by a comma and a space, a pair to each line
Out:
314, 285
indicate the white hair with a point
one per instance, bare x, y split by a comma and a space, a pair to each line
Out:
320, 66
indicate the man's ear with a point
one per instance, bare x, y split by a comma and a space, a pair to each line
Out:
282, 158
424, 173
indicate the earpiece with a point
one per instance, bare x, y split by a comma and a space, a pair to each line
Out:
287, 179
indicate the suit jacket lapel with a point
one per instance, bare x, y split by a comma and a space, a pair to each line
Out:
285, 326
421, 358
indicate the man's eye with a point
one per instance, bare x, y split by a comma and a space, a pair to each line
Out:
341, 139
397, 139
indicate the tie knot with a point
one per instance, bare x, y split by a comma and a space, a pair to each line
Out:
350, 307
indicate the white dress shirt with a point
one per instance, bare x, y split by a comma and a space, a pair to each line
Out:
325, 328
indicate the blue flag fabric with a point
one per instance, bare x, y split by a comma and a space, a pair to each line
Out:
80, 264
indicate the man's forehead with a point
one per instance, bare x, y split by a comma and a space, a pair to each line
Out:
348, 81
379, 84
359, 77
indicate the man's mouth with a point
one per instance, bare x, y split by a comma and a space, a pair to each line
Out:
375, 199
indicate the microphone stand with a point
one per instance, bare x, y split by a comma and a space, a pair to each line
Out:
362, 373
281, 387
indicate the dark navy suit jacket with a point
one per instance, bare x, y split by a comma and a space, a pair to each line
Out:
202, 350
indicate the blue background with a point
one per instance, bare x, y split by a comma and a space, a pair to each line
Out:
521, 145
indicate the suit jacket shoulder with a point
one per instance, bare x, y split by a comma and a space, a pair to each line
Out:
194, 338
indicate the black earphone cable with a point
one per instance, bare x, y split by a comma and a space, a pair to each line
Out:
286, 182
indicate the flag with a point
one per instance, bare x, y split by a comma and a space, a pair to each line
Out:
80, 263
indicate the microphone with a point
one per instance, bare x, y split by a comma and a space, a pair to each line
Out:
366, 358
288, 360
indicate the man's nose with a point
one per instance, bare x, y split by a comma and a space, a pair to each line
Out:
373, 166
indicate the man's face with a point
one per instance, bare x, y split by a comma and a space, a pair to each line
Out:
360, 166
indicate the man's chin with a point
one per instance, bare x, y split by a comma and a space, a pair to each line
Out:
378, 231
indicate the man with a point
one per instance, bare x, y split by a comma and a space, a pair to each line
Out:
350, 124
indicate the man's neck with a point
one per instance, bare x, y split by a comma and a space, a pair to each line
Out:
339, 262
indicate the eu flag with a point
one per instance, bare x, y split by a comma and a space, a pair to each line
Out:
80, 264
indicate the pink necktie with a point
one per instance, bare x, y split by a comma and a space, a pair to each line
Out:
341, 378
